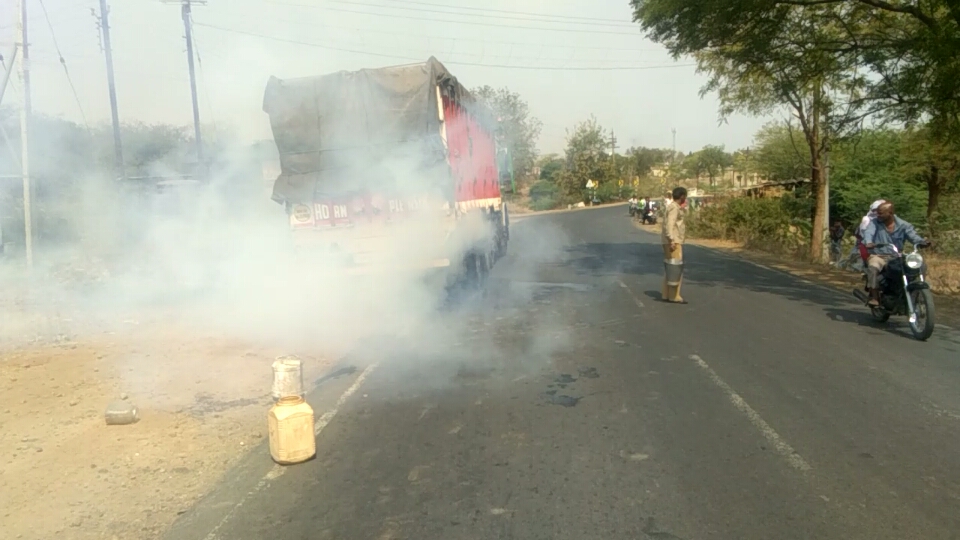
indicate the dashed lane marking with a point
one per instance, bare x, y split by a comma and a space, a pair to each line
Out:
781, 446
630, 292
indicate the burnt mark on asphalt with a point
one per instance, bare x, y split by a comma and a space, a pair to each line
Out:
206, 404
589, 373
652, 531
563, 400
563, 381
342, 372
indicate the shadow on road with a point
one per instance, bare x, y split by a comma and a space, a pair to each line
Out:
704, 267
708, 268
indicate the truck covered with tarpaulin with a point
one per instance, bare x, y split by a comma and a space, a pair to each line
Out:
389, 168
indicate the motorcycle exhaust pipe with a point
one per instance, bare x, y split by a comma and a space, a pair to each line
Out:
861, 295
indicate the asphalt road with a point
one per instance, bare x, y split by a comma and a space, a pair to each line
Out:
570, 404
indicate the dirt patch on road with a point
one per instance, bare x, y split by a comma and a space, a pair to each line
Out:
202, 400
948, 305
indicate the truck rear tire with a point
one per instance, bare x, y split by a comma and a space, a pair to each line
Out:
477, 269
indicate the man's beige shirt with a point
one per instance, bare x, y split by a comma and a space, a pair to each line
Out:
674, 229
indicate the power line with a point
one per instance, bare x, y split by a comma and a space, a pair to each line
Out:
490, 10
538, 17
473, 23
454, 63
483, 41
63, 62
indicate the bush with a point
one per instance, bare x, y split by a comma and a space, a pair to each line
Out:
779, 225
544, 195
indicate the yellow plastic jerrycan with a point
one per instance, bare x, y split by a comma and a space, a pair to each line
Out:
290, 424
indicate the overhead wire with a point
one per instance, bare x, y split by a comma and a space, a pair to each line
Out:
460, 38
63, 62
491, 10
414, 59
472, 23
537, 16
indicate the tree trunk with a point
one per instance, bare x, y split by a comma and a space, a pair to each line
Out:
819, 208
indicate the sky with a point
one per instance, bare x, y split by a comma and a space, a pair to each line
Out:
569, 59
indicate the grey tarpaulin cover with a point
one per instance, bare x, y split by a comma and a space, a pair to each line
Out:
352, 130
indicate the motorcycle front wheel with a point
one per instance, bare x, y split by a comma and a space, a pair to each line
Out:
925, 322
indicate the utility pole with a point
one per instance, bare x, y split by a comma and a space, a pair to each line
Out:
108, 52
25, 112
613, 152
673, 156
185, 7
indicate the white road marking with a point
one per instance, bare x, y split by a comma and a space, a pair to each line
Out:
277, 471
635, 299
781, 446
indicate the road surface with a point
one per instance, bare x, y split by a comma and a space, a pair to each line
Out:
579, 407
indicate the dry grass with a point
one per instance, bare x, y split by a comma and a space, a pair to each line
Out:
944, 274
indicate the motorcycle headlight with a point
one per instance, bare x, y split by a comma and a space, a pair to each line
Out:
914, 261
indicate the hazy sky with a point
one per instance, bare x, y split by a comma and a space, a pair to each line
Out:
535, 47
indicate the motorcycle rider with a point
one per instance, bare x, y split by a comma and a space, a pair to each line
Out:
857, 259
886, 228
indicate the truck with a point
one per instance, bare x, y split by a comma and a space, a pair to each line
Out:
386, 170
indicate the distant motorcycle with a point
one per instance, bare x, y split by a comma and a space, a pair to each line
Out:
904, 291
649, 216
633, 208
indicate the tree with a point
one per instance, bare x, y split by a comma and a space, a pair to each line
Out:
933, 163
710, 160
586, 159
869, 167
641, 160
551, 165
913, 50
745, 165
780, 152
518, 130
759, 60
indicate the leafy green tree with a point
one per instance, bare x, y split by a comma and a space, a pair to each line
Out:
744, 165
929, 161
762, 60
714, 160
641, 160
780, 152
866, 168
587, 159
518, 129
550, 167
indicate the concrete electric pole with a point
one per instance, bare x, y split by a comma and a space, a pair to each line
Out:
104, 22
25, 113
185, 10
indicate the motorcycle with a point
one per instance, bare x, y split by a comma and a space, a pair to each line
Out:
903, 291
633, 208
649, 216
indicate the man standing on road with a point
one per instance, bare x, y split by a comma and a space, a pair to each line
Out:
885, 229
674, 233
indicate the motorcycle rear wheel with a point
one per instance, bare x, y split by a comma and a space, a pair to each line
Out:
926, 315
